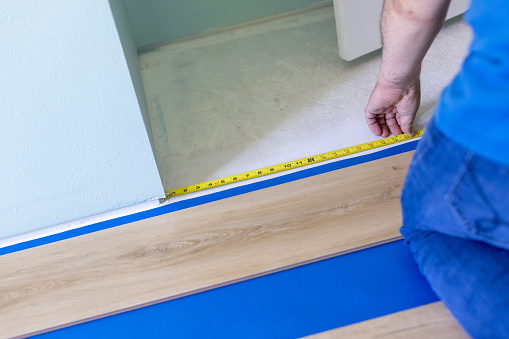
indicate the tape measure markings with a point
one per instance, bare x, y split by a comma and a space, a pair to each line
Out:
293, 164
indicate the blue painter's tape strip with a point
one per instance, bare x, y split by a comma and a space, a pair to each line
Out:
212, 197
301, 301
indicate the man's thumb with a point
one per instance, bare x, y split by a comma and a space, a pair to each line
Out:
407, 128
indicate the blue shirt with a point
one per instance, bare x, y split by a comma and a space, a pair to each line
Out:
474, 109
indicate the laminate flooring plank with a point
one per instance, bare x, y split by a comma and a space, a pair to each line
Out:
428, 321
194, 249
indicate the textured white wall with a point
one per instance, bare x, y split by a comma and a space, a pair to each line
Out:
131, 54
72, 137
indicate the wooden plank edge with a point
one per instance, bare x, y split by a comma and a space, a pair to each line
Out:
208, 288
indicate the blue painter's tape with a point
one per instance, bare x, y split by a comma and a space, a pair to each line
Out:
212, 197
297, 302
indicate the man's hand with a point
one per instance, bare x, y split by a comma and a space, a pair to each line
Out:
392, 110
408, 29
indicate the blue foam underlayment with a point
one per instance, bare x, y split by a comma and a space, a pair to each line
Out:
296, 302
180, 205
289, 304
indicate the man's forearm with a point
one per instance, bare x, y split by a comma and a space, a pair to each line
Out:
408, 29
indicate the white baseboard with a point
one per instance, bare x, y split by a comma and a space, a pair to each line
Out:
67, 226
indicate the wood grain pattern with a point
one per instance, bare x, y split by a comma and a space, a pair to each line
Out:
429, 321
179, 253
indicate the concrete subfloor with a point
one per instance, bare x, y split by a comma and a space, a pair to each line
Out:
268, 93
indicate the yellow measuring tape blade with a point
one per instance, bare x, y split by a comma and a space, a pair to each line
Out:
293, 164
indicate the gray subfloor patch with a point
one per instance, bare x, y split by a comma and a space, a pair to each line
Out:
268, 93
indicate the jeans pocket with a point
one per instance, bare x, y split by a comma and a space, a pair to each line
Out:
479, 197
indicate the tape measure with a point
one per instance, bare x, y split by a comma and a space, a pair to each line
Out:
293, 164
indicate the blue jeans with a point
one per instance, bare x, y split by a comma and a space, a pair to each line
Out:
456, 221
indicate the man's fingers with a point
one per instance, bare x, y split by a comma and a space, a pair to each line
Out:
385, 131
371, 120
382, 122
394, 126
374, 127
